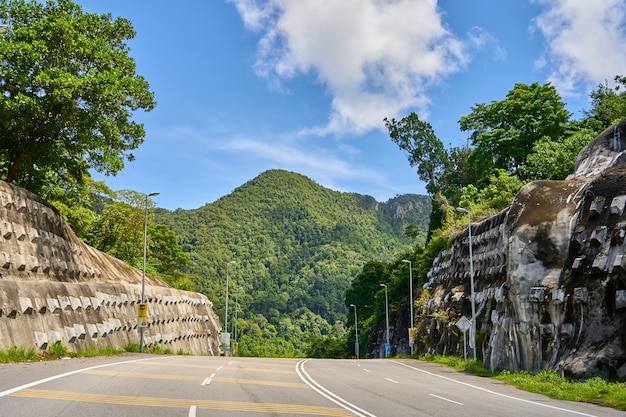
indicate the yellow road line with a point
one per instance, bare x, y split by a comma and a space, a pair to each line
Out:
194, 378
142, 375
259, 382
183, 403
176, 365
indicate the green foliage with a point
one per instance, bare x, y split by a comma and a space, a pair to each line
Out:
547, 382
68, 94
555, 160
425, 150
496, 196
504, 132
608, 105
158, 350
297, 246
91, 352
132, 347
327, 347
58, 350
18, 354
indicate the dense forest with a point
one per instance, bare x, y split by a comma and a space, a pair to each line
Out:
291, 248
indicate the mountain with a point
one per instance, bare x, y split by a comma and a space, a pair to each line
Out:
295, 245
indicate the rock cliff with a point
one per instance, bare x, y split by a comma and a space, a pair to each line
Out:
549, 272
53, 287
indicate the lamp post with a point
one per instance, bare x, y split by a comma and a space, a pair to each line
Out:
142, 328
411, 344
387, 345
226, 312
356, 332
473, 302
236, 311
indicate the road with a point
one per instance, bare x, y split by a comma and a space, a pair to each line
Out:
190, 386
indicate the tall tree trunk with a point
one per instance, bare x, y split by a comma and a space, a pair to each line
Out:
14, 165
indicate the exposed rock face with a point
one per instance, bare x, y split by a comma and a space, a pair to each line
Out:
53, 288
550, 280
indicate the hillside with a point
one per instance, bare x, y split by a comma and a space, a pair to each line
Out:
296, 247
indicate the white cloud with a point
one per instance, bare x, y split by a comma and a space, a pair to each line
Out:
585, 41
376, 58
324, 165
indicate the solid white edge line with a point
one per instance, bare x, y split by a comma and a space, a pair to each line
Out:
326, 393
446, 399
495, 393
52, 378
192, 411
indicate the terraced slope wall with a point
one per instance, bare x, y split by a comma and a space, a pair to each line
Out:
53, 288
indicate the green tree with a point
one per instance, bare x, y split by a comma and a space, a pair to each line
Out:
608, 105
552, 160
424, 149
504, 132
68, 93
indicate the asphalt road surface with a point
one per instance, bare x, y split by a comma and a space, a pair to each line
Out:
189, 386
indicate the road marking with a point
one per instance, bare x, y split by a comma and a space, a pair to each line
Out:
192, 411
445, 399
493, 392
391, 380
179, 365
205, 381
52, 378
327, 394
366, 370
143, 375
246, 407
259, 382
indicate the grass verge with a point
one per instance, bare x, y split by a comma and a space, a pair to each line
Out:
546, 382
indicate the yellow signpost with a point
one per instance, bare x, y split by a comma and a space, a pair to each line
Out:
142, 314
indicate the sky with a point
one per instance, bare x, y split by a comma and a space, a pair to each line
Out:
245, 86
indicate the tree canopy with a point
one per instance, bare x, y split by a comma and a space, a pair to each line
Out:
68, 93
504, 132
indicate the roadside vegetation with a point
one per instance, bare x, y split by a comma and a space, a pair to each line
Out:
58, 351
547, 382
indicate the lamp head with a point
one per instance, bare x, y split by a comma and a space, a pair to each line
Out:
383, 285
462, 210
153, 194
4, 28
406, 261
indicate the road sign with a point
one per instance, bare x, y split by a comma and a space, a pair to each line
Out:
464, 324
142, 311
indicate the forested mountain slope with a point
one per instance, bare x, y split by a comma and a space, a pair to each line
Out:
295, 245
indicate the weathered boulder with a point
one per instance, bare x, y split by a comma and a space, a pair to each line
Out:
549, 272
53, 287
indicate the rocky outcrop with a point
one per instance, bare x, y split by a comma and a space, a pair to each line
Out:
549, 272
53, 288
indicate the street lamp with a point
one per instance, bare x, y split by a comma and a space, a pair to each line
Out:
469, 232
226, 313
356, 332
387, 345
411, 344
236, 311
142, 328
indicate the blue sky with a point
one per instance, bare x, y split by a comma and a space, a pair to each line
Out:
243, 86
